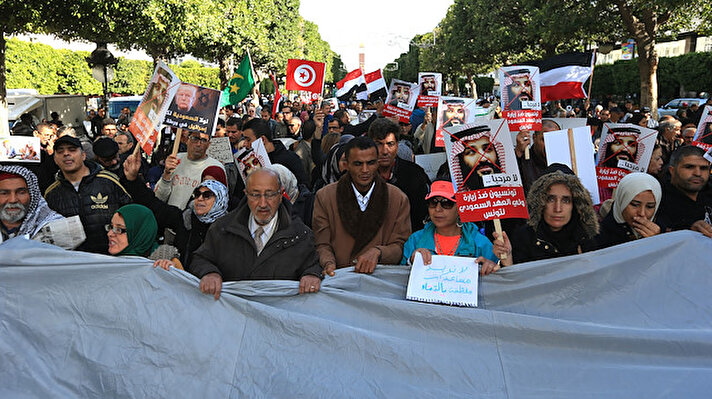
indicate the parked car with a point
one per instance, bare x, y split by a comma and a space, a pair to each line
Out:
672, 107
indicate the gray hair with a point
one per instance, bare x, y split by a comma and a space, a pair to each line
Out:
269, 171
668, 124
128, 135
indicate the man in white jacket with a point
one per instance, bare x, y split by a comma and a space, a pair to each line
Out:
183, 171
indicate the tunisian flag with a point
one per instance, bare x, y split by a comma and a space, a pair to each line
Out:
562, 76
305, 75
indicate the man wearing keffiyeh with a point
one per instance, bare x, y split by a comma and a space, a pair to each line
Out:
23, 211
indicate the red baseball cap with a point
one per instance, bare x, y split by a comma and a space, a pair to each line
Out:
441, 188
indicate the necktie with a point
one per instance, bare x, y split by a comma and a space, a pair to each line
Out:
258, 239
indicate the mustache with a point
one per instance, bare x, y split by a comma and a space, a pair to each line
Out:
13, 216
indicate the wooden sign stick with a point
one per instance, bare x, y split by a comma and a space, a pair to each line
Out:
176, 144
572, 151
498, 230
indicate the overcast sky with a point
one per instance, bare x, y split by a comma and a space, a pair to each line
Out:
385, 27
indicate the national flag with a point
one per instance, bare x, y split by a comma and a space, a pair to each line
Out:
305, 75
376, 85
277, 97
349, 84
563, 76
240, 84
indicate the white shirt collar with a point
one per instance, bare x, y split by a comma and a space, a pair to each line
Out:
267, 230
363, 199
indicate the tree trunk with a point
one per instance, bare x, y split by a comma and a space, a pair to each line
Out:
648, 67
456, 83
224, 74
4, 127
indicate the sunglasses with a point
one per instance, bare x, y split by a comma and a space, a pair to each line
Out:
445, 203
203, 140
207, 194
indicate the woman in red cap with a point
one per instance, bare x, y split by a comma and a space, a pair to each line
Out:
444, 234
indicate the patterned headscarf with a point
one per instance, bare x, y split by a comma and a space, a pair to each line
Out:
38, 212
221, 200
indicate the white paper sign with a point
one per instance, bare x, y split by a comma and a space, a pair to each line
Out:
451, 280
431, 163
221, 150
557, 151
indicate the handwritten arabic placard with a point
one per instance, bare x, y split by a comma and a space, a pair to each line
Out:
451, 280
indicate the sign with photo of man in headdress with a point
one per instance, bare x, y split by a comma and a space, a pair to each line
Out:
194, 109
401, 100
453, 111
483, 169
521, 97
624, 148
430, 88
154, 104
703, 135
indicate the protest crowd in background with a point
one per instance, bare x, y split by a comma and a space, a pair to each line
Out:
336, 184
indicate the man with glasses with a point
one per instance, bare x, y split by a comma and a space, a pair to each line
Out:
282, 129
269, 244
182, 172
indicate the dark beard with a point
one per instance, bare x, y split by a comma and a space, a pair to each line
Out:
474, 181
613, 161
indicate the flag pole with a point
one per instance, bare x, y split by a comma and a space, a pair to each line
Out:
590, 81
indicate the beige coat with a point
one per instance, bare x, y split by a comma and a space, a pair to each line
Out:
334, 244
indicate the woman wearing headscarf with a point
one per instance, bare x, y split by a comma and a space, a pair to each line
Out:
334, 165
561, 222
635, 204
210, 202
132, 231
299, 196
444, 234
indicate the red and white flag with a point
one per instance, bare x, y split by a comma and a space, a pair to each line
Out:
305, 75
376, 85
563, 76
277, 97
349, 84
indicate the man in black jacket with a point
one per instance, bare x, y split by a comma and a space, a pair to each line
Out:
408, 176
85, 189
258, 241
258, 129
687, 197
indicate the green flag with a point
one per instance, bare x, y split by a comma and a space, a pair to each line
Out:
240, 84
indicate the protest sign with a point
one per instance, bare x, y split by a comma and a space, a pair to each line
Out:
431, 163
624, 148
194, 109
521, 97
250, 159
703, 135
20, 149
221, 150
154, 104
453, 111
307, 97
573, 147
451, 280
430, 88
484, 171
401, 100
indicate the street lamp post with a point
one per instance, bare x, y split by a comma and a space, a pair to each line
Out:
102, 63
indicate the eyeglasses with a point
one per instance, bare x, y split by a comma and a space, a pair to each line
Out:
115, 229
445, 203
207, 194
202, 140
269, 195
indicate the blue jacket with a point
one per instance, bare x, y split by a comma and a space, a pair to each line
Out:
472, 243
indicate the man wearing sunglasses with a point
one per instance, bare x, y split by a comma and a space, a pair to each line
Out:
182, 172
258, 241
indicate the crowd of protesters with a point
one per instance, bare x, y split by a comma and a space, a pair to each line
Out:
343, 190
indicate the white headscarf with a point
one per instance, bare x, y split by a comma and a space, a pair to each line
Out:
289, 181
630, 186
